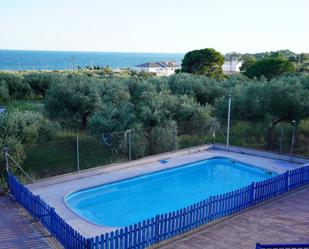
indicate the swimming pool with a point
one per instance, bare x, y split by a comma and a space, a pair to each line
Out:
132, 200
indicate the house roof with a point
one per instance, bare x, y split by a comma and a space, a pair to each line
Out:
149, 64
159, 64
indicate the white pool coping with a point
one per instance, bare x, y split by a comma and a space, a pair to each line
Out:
53, 190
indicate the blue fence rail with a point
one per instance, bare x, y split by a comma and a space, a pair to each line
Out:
282, 246
161, 227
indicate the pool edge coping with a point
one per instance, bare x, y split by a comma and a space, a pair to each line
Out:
113, 168
64, 198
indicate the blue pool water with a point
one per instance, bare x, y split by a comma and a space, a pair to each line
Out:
129, 201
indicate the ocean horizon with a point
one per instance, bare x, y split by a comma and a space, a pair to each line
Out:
68, 60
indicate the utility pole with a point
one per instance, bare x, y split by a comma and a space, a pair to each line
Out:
228, 123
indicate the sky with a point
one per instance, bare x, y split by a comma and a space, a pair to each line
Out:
174, 26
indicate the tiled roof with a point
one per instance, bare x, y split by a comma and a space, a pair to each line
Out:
159, 64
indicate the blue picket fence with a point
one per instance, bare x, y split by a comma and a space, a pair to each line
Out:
161, 227
282, 246
42, 212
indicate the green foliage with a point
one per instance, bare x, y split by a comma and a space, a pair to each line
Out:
270, 68
29, 127
279, 100
100, 101
163, 139
17, 88
300, 61
40, 81
25, 105
204, 61
248, 61
139, 142
203, 89
73, 98
155, 108
21, 128
112, 118
4, 92
188, 109
285, 54
16, 150
233, 56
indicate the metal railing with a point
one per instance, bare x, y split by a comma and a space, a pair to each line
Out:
83, 152
71, 152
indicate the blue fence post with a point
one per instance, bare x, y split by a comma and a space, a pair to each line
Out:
52, 217
258, 246
90, 243
37, 208
288, 180
157, 225
252, 187
286, 176
303, 171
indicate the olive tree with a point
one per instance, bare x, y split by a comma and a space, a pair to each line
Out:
15, 84
203, 89
73, 99
280, 100
112, 118
22, 128
40, 81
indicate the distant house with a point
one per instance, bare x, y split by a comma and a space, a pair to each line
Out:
162, 68
231, 67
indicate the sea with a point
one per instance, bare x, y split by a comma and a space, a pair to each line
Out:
66, 60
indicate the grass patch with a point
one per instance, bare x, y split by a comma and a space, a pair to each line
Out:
36, 105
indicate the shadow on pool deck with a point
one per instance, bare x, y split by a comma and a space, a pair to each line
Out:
285, 220
17, 229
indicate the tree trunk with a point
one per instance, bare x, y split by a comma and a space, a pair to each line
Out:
84, 120
270, 134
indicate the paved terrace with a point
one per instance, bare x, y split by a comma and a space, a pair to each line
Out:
285, 220
54, 190
16, 228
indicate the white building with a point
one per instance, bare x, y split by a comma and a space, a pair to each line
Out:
162, 68
230, 67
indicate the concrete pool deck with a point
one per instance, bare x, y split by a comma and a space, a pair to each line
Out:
53, 190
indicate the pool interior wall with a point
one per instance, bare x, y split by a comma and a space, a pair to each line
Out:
132, 200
